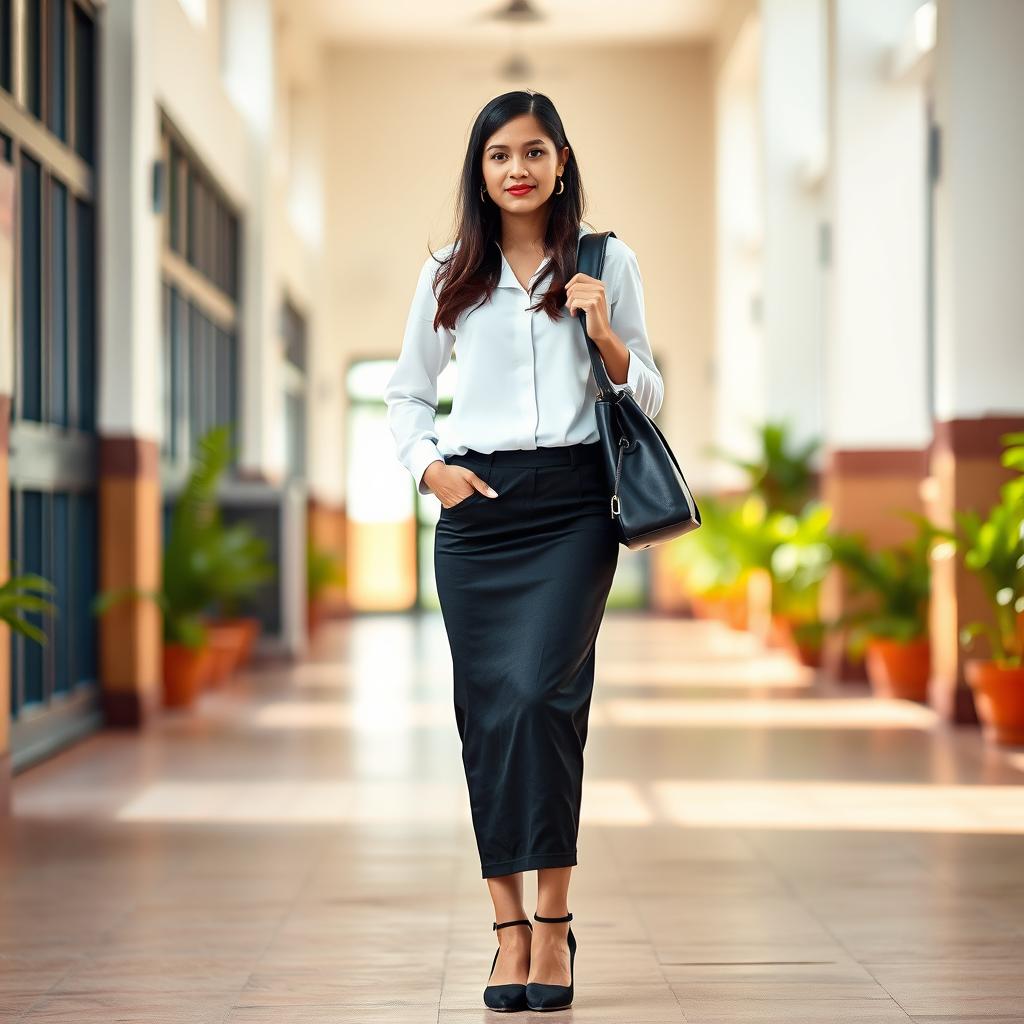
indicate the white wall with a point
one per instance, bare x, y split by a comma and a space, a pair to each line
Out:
979, 302
741, 401
877, 197
793, 128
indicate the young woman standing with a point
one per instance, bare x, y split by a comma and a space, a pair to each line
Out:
525, 547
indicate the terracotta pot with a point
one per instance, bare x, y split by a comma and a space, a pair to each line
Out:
316, 612
251, 627
783, 634
808, 653
184, 669
999, 697
780, 632
226, 639
232, 641
736, 611
899, 669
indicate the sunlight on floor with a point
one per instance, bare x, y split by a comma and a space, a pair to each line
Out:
853, 806
381, 712
843, 713
774, 671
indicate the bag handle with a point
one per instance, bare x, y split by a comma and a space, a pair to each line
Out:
590, 252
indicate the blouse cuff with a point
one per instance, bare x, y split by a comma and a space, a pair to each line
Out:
422, 456
632, 375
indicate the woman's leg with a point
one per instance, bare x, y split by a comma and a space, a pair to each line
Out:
549, 950
514, 959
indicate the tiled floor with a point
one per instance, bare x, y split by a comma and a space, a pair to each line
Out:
755, 847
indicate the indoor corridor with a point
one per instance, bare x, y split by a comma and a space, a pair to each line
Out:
755, 846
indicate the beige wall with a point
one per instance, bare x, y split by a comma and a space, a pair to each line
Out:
641, 122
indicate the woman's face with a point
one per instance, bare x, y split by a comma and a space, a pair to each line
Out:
521, 154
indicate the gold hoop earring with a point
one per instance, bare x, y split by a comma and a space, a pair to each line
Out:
561, 186
483, 191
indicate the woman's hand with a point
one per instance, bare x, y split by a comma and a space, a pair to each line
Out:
587, 293
449, 483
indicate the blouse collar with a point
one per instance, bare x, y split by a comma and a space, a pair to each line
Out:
508, 278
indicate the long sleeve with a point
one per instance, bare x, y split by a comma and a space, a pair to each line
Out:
628, 320
411, 391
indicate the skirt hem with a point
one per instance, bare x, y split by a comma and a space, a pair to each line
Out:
528, 863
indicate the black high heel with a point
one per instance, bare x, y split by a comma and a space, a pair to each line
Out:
511, 996
553, 997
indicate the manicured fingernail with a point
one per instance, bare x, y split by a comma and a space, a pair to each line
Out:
492, 492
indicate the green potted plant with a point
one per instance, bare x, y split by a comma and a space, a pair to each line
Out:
714, 576
801, 553
16, 597
237, 567
782, 472
1013, 458
993, 549
322, 569
186, 587
893, 633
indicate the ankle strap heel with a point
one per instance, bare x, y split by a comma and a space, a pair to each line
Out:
510, 996
541, 996
505, 924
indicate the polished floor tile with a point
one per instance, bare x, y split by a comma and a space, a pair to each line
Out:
757, 845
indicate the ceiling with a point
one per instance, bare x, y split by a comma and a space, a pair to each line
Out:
501, 22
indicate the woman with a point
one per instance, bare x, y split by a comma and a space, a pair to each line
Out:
525, 547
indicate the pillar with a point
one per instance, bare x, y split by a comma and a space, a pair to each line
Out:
979, 301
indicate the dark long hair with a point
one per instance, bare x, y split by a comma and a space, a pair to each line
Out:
472, 269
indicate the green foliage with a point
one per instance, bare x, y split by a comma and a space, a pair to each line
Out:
994, 550
711, 558
322, 569
782, 473
747, 535
898, 578
800, 558
203, 561
16, 597
235, 562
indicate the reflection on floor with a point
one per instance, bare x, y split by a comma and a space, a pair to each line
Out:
756, 846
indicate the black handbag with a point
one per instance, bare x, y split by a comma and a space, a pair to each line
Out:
650, 500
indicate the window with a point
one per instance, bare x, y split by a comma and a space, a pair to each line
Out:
6, 39
293, 337
200, 303
58, 55
54, 534
53, 524
56, 350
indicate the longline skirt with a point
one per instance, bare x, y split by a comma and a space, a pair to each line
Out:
523, 580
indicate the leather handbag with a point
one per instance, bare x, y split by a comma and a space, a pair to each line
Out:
650, 500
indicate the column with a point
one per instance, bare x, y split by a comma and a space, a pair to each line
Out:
979, 300
877, 418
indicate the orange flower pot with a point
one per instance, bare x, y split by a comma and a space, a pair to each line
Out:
783, 634
999, 697
316, 613
899, 669
227, 638
184, 669
251, 627
736, 611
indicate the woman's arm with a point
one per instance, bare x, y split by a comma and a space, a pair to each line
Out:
411, 391
626, 336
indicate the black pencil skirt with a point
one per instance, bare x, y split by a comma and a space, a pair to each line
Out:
523, 580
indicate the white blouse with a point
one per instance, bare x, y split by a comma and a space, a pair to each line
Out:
523, 381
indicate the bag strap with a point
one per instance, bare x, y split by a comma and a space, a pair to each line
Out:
590, 252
